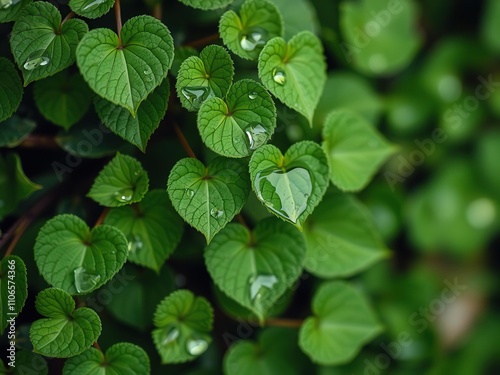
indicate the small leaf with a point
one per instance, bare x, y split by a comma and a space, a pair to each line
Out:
342, 323
136, 130
13, 290
240, 124
256, 269
76, 259
64, 332
295, 72
247, 33
208, 197
203, 77
14, 130
121, 182
28, 363
152, 227
41, 45
341, 238
120, 359
91, 8
125, 70
181, 54
11, 89
354, 148
14, 185
183, 324
11, 13
290, 186
206, 4
62, 99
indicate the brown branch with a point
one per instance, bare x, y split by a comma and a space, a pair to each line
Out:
203, 41
101, 217
158, 11
241, 220
69, 16
39, 142
118, 14
287, 323
96, 345
184, 141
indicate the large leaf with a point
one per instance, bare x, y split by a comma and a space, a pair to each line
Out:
13, 291
11, 12
78, 260
183, 324
341, 238
14, 130
125, 69
301, 17
290, 185
208, 197
240, 124
64, 332
11, 89
152, 227
121, 182
91, 8
206, 4
295, 72
200, 78
342, 323
247, 33
120, 359
255, 269
41, 45
355, 149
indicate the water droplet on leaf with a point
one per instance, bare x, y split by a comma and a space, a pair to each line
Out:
254, 38
253, 95
196, 346
196, 95
124, 195
135, 243
279, 76
85, 280
171, 333
189, 193
5, 4
93, 4
216, 213
257, 135
256, 283
35, 60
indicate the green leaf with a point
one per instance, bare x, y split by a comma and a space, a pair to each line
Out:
76, 259
355, 149
183, 324
28, 363
256, 269
11, 13
152, 227
121, 182
247, 33
14, 130
64, 332
14, 185
11, 89
13, 290
136, 130
341, 238
200, 78
342, 323
125, 70
62, 99
243, 122
209, 197
120, 359
91, 8
290, 186
299, 17
41, 45
206, 4
181, 54
295, 72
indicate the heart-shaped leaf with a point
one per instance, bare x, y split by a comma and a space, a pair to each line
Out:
208, 197
355, 149
256, 269
247, 33
62, 99
240, 124
12, 11
295, 72
13, 290
65, 332
76, 259
341, 238
152, 227
121, 182
15, 130
343, 322
203, 77
290, 186
183, 324
11, 89
206, 4
125, 69
91, 8
136, 130
120, 359
41, 45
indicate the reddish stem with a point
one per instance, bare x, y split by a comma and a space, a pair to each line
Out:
184, 141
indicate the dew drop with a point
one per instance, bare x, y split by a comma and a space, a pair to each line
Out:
260, 281
93, 4
256, 37
216, 213
253, 95
279, 76
148, 73
170, 334
189, 193
135, 243
196, 95
85, 280
196, 345
5, 4
35, 60
256, 134
124, 195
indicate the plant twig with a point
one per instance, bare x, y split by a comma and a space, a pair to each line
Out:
39, 142
158, 11
203, 41
241, 220
287, 323
96, 345
118, 14
101, 217
70, 15
184, 141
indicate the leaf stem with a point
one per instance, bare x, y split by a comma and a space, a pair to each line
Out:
203, 41
287, 323
96, 345
184, 141
158, 11
69, 16
118, 14
101, 217
39, 141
